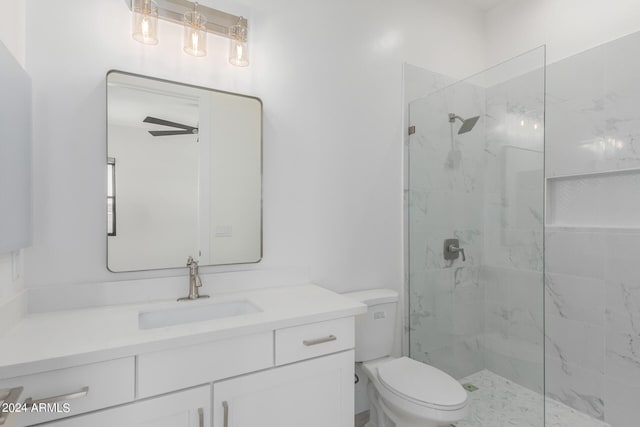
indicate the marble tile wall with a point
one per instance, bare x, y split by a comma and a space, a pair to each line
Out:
446, 315
512, 270
593, 246
485, 312
593, 321
418, 83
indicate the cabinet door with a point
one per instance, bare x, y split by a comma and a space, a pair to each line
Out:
315, 393
190, 408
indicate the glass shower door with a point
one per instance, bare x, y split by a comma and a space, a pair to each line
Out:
476, 175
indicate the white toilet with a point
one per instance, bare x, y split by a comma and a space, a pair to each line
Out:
401, 391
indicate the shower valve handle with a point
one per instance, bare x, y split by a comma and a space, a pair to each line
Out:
454, 249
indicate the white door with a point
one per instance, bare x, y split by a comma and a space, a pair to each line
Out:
190, 408
315, 393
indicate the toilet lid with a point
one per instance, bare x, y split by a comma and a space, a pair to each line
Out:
422, 384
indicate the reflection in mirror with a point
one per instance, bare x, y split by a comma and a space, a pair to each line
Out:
184, 173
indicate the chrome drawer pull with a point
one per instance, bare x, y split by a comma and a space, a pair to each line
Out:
9, 397
201, 417
225, 405
30, 403
309, 343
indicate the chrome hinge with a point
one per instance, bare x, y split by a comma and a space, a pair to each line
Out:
412, 130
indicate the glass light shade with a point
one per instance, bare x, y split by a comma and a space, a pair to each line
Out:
195, 34
239, 48
145, 22
239, 53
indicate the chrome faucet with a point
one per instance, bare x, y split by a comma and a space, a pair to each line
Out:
194, 282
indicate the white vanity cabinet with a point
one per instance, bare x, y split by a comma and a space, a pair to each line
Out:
189, 408
290, 377
290, 365
314, 393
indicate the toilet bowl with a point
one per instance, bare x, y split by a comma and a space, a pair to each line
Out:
402, 392
413, 394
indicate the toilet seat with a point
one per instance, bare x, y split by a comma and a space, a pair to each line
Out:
422, 385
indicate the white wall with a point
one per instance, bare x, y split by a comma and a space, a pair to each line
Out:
12, 35
567, 27
329, 74
12, 27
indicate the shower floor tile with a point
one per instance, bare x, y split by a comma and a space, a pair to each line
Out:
499, 402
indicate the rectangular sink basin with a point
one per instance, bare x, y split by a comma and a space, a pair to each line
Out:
195, 313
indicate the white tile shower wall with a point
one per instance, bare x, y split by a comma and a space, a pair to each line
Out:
332, 200
445, 199
418, 83
593, 313
593, 285
486, 312
513, 229
593, 112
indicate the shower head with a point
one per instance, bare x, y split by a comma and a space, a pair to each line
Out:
467, 124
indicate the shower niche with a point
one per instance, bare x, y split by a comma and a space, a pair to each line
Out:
601, 200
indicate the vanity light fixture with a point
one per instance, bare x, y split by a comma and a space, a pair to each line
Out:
198, 22
145, 21
239, 49
195, 32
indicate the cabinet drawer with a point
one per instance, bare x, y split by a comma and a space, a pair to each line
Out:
188, 408
175, 369
82, 388
315, 339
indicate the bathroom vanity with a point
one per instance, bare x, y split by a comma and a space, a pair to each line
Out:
272, 357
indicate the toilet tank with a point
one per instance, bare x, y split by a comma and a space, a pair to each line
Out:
375, 330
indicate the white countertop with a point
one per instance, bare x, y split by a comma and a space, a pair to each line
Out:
55, 340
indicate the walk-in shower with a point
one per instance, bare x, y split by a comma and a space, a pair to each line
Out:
475, 177
567, 133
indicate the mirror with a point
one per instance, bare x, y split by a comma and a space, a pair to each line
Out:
184, 174
15, 154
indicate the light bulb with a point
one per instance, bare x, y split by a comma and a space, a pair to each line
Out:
194, 41
195, 34
239, 52
145, 26
145, 22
